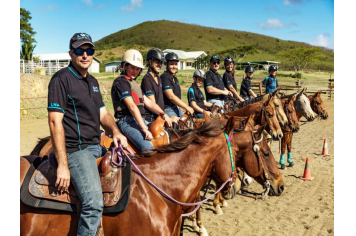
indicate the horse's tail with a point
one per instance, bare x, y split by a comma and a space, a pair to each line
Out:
210, 129
40, 145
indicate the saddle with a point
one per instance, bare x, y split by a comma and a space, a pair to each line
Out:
115, 184
160, 136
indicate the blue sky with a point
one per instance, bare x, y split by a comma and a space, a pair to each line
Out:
55, 21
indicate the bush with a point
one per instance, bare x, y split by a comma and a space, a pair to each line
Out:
297, 75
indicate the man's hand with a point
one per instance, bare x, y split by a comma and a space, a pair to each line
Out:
119, 137
63, 178
174, 119
208, 112
148, 134
167, 119
190, 110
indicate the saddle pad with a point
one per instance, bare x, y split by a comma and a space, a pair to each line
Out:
38, 191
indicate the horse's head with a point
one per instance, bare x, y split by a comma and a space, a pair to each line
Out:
268, 114
291, 113
302, 106
318, 106
281, 116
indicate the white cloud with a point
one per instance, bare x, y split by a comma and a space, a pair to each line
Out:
292, 2
323, 40
101, 6
89, 3
272, 24
133, 6
48, 8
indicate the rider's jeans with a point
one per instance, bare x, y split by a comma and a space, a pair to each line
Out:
199, 114
173, 111
132, 130
85, 178
217, 102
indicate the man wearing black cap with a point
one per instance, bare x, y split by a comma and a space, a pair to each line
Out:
75, 113
214, 86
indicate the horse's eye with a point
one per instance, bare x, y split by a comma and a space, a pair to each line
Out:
266, 154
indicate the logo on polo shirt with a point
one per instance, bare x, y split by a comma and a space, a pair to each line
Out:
148, 91
95, 89
54, 104
126, 92
167, 86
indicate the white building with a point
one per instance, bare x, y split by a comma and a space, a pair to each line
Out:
186, 59
111, 66
56, 61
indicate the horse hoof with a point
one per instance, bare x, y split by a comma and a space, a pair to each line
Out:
225, 204
291, 164
196, 228
283, 166
203, 232
218, 211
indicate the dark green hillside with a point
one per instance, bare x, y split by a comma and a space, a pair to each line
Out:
168, 34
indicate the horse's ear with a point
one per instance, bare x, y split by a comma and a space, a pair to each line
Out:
206, 117
259, 131
229, 127
300, 93
294, 97
318, 93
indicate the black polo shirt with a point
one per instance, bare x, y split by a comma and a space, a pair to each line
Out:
149, 87
196, 95
245, 87
167, 84
215, 80
80, 100
228, 80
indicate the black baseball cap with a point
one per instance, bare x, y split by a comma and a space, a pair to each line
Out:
79, 39
215, 57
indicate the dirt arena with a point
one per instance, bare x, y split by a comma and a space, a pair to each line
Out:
305, 207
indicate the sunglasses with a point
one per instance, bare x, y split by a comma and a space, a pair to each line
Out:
216, 62
80, 51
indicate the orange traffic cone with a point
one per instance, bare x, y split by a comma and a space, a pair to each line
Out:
325, 149
307, 174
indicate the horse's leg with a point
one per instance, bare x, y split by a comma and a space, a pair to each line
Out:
223, 201
216, 204
201, 229
289, 146
283, 150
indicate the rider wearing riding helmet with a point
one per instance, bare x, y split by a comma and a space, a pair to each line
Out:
151, 84
270, 81
129, 102
195, 95
245, 90
215, 90
171, 88
228, 77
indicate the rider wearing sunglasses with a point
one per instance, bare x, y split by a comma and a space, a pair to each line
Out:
214, 87
75, 112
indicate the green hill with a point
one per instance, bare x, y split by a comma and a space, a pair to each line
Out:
176, 35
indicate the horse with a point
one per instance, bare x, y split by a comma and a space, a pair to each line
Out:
317, 105
179, 168
303, 109
265, 113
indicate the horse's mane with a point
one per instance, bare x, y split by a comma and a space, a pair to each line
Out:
251, 101
288, 96
209, 129
41, 142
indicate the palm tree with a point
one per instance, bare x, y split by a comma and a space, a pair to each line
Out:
26, 51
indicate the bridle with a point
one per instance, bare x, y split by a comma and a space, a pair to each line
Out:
318, 107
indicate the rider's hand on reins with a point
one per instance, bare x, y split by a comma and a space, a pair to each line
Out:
167, 119
118, 137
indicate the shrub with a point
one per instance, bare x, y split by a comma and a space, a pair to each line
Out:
297, 75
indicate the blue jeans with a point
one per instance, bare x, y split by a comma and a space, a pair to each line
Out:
199, 114
173, 111
246, 98
132, 130
217, 102
85, 178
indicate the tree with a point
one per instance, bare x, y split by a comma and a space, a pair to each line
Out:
299, 58
26, 51
26, 31
238, 53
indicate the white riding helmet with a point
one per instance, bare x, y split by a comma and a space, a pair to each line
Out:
199, 73
133, 57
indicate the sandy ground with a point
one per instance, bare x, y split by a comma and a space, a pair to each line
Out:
305, 207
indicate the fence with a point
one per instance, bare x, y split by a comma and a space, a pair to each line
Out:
50, 67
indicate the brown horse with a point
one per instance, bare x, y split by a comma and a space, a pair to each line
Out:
303, 109
318, 106
179, 168
265, 113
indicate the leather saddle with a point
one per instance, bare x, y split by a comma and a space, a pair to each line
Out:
160, 136
115, 183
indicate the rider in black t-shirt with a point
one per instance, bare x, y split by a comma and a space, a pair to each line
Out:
195, 95
246, 91
228, 77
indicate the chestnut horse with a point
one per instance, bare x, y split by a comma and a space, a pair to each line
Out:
179, 168
317, 105
303, 109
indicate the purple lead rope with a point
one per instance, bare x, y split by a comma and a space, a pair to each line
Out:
197, 204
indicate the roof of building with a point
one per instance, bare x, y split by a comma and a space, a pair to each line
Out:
56, 56
257, 63
112, 62
186, 55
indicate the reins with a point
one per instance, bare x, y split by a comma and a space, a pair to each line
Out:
120, 150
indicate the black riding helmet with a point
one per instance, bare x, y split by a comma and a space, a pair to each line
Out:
228, 59
272, 67
155, 53
171, 56
249, 68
